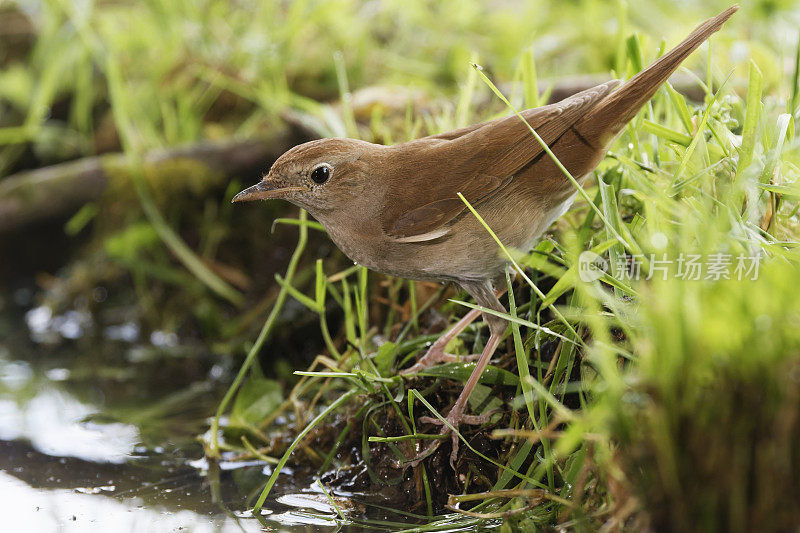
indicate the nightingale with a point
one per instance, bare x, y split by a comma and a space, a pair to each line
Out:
395, 209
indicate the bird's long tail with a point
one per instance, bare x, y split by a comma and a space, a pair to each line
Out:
606, 119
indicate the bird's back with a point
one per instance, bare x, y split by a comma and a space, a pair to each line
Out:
500, 165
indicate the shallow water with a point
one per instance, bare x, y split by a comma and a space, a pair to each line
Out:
98, 433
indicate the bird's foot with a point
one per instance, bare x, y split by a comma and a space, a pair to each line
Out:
434, 356
454, 418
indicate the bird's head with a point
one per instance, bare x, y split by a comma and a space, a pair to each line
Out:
320, 176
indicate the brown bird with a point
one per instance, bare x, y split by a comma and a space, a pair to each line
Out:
395, 209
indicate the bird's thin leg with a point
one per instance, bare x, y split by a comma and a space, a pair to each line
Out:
456, 415
436, 353
485, 297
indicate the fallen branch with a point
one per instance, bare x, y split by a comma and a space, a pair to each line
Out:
60, 190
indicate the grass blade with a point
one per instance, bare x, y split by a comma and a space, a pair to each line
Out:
751, 119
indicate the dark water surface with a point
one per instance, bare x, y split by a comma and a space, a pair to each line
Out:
98, 432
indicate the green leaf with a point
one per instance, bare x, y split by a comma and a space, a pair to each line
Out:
751, 119
482, 399
129, 242
679, 102
775, 155
564, 283
257, 399
80, 219
791, 190
634, 48
385, 356
610, 208
461, 372
697, 138
546, 333
529, 81
669, 135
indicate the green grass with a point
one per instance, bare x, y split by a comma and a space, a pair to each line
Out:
626, 403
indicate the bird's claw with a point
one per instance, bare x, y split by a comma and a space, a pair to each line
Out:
455, 418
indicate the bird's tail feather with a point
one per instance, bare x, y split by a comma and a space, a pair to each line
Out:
606, 119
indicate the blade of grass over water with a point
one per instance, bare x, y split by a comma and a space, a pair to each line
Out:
262, 336
342, 400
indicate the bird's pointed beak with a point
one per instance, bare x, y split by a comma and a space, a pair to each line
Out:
264, 190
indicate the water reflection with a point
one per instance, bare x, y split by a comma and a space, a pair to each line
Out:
45, 327
101, 437
53, 422
29, 509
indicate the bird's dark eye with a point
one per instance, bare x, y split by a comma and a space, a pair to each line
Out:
321, 174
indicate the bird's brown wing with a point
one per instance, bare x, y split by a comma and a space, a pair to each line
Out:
476, 161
